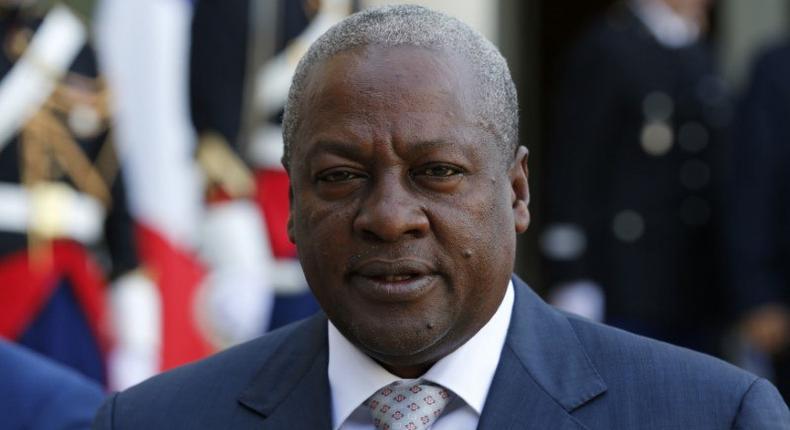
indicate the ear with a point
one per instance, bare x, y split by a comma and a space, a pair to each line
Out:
290, 227
519, 183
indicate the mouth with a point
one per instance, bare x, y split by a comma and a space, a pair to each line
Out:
393, 280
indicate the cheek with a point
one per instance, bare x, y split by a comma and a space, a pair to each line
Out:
321, 232
473, 220
315, 217
474, 234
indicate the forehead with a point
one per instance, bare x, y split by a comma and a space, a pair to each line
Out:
407, 88
376, 72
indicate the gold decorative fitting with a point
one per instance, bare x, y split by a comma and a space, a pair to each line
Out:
223, 167
50, 202
49, 150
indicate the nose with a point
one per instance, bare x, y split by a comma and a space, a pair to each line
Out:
390, 213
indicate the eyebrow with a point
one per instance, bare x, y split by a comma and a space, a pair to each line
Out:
349, 150
337, 147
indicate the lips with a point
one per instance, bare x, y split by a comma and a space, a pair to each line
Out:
393, 280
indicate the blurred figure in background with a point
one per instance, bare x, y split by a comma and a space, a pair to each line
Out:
760, 210
143, 48
636, 164
39, 394
241, 66
235, 298
199, 88
299, 24
63, 203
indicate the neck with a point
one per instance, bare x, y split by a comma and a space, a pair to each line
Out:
407, 372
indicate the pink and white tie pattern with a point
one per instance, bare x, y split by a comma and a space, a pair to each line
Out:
408, 406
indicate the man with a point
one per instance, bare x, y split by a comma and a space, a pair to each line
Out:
639, 96
408, 189
37, 393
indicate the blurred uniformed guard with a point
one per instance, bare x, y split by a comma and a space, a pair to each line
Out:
193, 85
60, 193
635, 172
240, 75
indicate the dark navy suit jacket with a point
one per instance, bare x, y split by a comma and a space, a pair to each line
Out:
37, 393
556, 372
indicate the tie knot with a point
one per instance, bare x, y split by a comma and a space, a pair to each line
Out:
413, 405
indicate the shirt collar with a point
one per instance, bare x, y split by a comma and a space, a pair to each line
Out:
353, 376
668, 27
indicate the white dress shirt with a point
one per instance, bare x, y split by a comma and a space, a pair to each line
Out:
467, 372
668, 27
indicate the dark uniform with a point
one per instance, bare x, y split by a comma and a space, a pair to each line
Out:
760, 247
635, 165
222, 83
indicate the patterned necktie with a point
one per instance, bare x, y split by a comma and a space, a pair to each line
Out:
407, 405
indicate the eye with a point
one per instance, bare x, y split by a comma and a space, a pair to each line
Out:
334, 176
438, 171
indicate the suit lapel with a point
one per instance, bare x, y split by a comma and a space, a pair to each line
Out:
292, 388
544, 373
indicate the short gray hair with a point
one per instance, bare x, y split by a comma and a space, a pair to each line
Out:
410, 25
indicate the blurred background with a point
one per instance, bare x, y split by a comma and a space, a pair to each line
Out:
143, 205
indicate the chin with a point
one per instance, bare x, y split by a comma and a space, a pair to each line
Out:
395, 347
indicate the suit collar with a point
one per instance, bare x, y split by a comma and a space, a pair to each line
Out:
291, 390
544, 372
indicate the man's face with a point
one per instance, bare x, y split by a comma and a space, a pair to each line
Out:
405, 211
